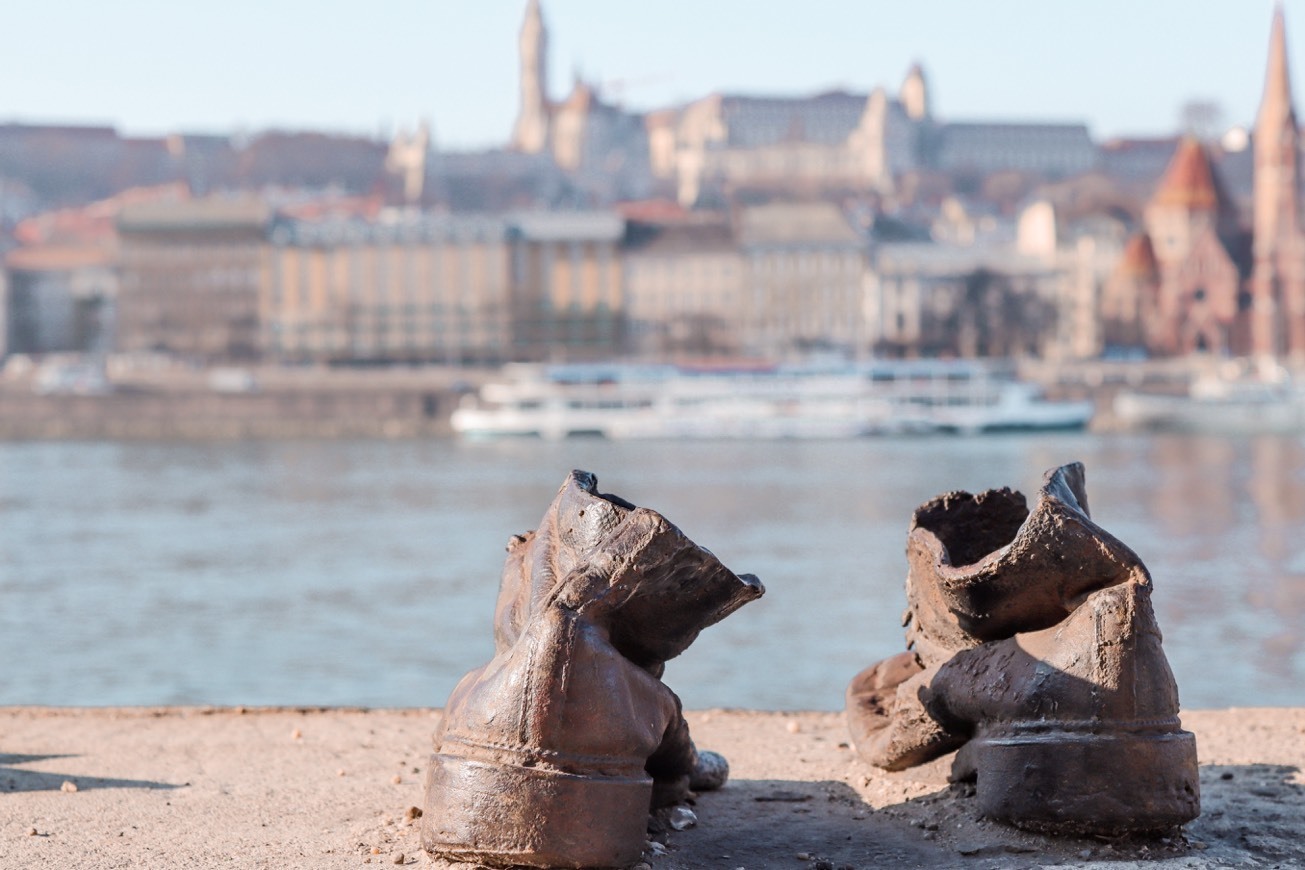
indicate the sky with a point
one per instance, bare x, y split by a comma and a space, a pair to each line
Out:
1125, 67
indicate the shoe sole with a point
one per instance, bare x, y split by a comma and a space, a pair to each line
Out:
1072, 781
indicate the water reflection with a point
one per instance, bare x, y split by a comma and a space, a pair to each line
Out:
1277, 489
365, 572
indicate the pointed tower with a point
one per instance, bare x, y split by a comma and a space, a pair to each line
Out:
406, 161
867, 142
530, 134
1277, 299
571, 124
1185, 204
914, 95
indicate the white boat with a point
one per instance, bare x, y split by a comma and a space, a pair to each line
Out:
1239, 398
766, 402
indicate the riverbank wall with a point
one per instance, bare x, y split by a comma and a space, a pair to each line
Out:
285, 404
174, 402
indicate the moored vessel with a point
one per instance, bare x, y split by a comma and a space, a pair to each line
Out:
764, 401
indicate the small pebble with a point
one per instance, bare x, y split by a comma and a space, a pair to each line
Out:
412, 813
656, 848
803, 856
376, 850
712, 771
296, 734
31, 832
793, 727
682, 818
1226, 775
642, 865
397, 780
1085, 854
340, 772
399, 858
68, 785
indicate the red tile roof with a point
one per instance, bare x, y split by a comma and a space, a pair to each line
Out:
58, 258
1138, 259
653, 211
93, 223
1189, 181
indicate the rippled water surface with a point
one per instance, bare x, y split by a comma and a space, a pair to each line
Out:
365, 573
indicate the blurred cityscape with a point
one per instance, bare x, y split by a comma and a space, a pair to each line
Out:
733, 227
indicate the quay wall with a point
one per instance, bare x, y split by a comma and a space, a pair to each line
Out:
390, 411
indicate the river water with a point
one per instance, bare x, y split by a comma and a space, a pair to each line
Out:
364, 573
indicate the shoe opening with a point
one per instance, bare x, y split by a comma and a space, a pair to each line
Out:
972, 526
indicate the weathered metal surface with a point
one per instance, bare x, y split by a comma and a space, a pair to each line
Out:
1033, 648
552, 754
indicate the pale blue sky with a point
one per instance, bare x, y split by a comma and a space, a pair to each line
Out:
150, 66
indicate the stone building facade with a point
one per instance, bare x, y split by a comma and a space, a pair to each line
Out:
683, 288
404, 289
566, 285
60, 299
804, 275
189, 278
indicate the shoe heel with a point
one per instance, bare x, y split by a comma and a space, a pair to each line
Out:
505, 816
1066, 781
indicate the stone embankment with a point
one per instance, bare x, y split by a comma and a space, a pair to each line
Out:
267, 404
395, 402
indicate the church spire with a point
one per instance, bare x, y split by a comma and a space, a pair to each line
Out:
530, 134
1275, 107
914, 95
1277, 146
1277, 278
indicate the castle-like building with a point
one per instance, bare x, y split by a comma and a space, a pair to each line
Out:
713, 147
604, 148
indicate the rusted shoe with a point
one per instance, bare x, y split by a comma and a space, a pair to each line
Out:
1032, 623
1074, 728
553, 753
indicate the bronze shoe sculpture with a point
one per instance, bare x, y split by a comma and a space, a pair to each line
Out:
553, 753
1035, 651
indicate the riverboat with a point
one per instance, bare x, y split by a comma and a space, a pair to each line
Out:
808, 401
1240, 397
